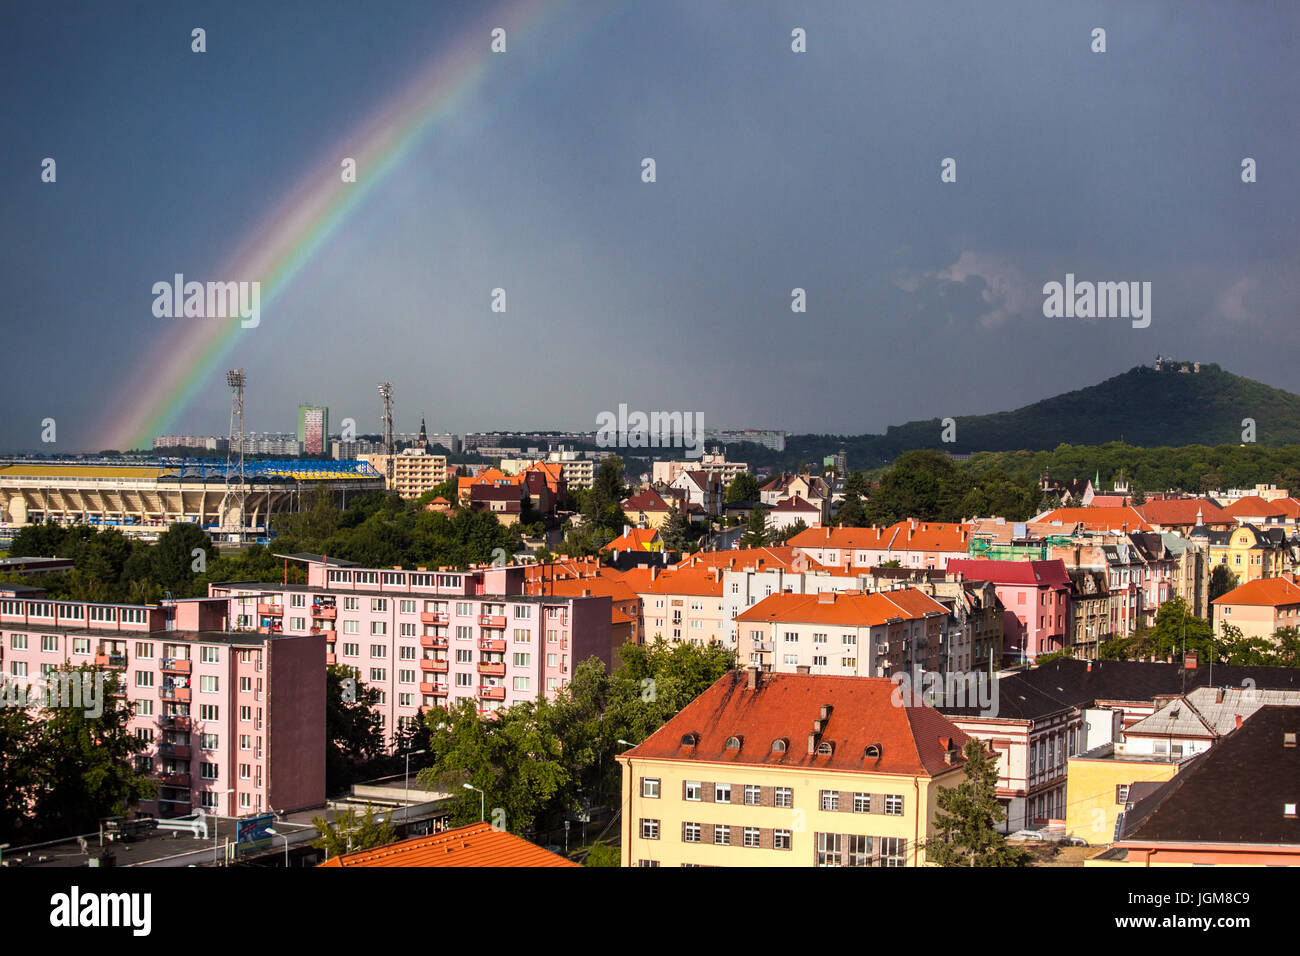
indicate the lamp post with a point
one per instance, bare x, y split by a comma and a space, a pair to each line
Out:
407, 796
285, 838
216, 825
482, 801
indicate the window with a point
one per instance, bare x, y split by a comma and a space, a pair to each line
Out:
522, 683
351, 627
351, 604
781, 839
406, 607
245, 713
552, 660
144, 734
209, 712
692, 790
751, 836
464, 656
783, 797
209, 684
862, 803
690, 833
18, 668
464, 680
753, 795
523, 660
830, 799
649, 829
209, 655
521, 636
208, 741
144, 708
297, 600
379, 604
81, 645
18, 642
297, 624
144, 678
245, 742
379, 674
650, 787
1121, 794
722, 793
722, 835
893, 851
378, 627
848, 639
245, 771
859, 851
378, 650
143, 649
893, 804
647, 863
245, 685
830, 849
406, 677
208, 771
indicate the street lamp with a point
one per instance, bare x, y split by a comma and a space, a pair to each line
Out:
407, 796
482, 804
3, 847
285, 838
216, 824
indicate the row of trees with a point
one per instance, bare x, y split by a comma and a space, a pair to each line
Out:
1177, 630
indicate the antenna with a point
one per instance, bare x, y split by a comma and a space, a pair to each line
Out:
390, 446
236, 486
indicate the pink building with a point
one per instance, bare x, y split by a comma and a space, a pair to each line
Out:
1036, 598
219, 709
912, 543
431, 638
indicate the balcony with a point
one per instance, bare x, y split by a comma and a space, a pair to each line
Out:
115, 661
430, 666
271, 610
432, 617
270, 628
175, 780
324, 612
492, 646
762, 647
329, 633
331, 658
492, 693
175, 751
429, 640
433, 689
175, 665
493, 669
175, 723
180, 695
492, 620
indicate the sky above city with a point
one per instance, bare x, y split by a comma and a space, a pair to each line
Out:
523, 171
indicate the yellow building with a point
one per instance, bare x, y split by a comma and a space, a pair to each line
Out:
789, 770
1249, 552
1098, 784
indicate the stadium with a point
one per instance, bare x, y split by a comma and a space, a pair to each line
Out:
142, 497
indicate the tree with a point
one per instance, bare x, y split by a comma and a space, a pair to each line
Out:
172, 558
744, 487
857, 484
83, 767
675, 529
967, 817
755, 535
349, 832
353, 735
851, 513
1222, 580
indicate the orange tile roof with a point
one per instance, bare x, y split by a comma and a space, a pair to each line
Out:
701, 581
846, 609
1253, 506
1099, 519
636, 539
475, 845
912, 740
1267, 592
738, 559
921, 536
1168, 511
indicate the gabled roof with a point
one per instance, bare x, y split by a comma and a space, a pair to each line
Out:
1233, 793
647, 500
911, 740
1036, 573
795, 504
1264, 592
1183, 511
702, 581
476, 845
634, 539
908, 535
1099, 519
843, 609
1253, 506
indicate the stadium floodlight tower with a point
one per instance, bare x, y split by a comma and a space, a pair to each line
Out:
390, 446
236, 483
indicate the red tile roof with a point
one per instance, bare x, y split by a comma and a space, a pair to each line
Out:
648, 500
699, 580
844, 609
1267, 592
907, 535
475, 845
1180, 511
1037, 573
635, 539
796, 504
912, 740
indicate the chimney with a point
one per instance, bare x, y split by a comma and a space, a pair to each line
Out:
654, 571
801, 669
812, 743
826, 711
752, 676
1238, 716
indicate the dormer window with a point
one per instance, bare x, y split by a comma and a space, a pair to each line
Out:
733, 743
690, 740
872, 752
825, 748
779, 745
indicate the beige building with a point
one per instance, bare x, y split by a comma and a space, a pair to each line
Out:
666, 472
789, 770
412, 473
1258, 608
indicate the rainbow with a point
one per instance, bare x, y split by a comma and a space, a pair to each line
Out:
188, 357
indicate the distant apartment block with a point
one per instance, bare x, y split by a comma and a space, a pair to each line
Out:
219, 708
773, 438
413, 472
313, 429
667, 472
